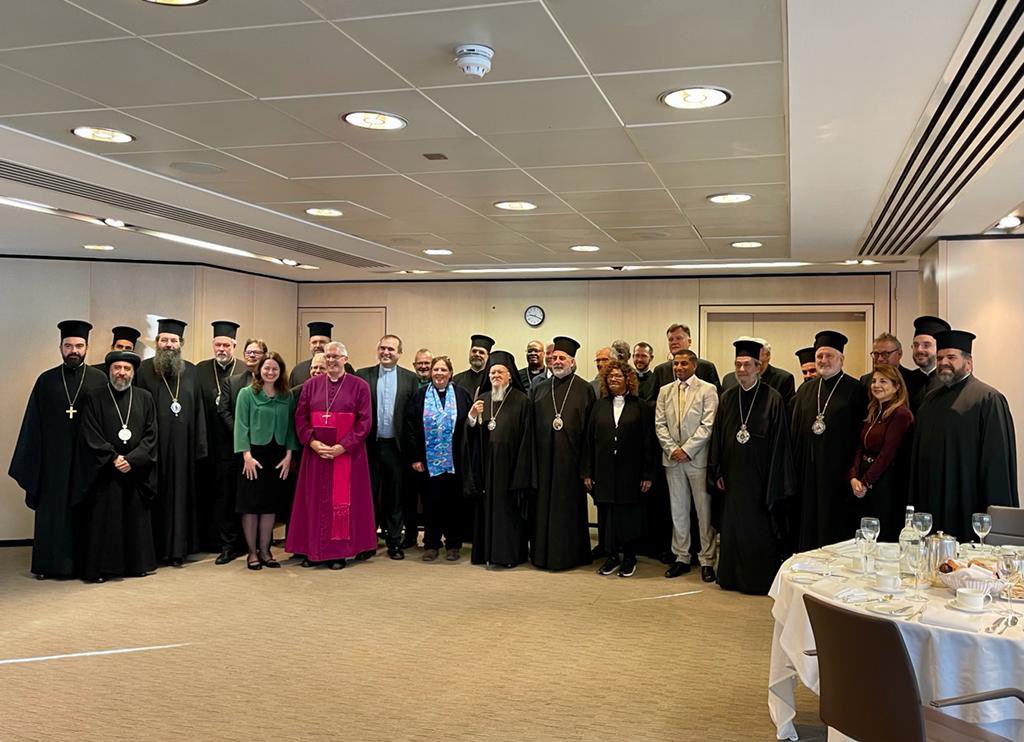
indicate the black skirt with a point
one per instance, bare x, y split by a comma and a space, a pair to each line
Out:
262, 495
621, 525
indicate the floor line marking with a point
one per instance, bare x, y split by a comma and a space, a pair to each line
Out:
97, 653
660, 597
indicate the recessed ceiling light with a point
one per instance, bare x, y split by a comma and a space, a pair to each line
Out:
312, 211
419, 273
515, 205
851, 261
375, 120
869, 262
113, 222
101, 134
696, 97
712, 266
729, 198
1009, 222
289, 261
103, 248
585, 248
176, 2
307, 267
746, 244
437, 251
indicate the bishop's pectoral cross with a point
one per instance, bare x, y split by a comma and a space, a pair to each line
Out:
70, 412
326, 416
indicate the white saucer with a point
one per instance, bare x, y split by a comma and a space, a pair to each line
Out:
889, 590
953, 604
805, 578
890, 609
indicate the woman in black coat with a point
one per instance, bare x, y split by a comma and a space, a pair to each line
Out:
435, 419
619, 465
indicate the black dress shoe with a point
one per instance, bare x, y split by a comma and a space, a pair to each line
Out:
707, 573
269, 562
254, 565
307, 563
667, 557
628, 568
677, 568
396, 553
177, 562
226, 556
338, 564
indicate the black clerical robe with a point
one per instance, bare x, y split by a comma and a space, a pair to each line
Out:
778, 379
469, 380
750, 513
218, 473
526, 375
964, 457
560, 532
300, 372
498, 478
114, 509
182, 443
921, 386
43, 463
706, 370
822, 462
647, 385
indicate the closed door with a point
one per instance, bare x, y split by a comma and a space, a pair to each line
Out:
359, 328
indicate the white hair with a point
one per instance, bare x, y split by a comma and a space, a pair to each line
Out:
340, 347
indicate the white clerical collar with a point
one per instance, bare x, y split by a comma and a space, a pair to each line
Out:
385, 370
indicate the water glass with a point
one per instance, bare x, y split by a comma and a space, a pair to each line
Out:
922, 523
982, 525
915, 553
871, 528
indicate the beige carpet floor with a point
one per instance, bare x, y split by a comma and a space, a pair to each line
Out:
385, 651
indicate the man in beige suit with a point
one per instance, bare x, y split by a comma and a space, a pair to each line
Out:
683, 419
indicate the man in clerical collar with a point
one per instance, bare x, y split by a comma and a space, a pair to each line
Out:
808, 369
421, 364
777, 378
643, 355
479, 349
535, 366
319, 336
124, 338
924, 377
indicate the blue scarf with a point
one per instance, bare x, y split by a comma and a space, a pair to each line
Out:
438, 430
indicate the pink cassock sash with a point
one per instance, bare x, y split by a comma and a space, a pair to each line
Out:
341, 472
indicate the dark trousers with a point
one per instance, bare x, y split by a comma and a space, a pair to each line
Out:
442, 512
225, 482
388, 474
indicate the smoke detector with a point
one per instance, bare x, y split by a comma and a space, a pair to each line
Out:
474, 59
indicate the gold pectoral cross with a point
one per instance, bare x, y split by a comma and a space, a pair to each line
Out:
70, 412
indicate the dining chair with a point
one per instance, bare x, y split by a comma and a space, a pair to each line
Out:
868, 689
1007, 526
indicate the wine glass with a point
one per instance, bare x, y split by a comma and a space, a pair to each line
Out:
1009, 568
915, 553
982, 525
862, 546
922, 523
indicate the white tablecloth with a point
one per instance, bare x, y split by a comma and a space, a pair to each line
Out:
947, 662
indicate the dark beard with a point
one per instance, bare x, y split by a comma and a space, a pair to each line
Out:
73, 361
168, 362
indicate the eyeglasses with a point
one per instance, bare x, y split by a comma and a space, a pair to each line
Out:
252, 353
882, 353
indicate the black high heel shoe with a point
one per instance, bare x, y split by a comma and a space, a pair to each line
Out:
269, 562
258, 564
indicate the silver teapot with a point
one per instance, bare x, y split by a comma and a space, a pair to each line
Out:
940, 547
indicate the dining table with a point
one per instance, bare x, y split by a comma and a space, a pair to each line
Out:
953, 651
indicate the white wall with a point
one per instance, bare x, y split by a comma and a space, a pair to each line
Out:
36, 294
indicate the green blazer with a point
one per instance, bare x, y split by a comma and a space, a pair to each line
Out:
260, 418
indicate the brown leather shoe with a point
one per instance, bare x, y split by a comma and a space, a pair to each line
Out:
430, 555
453, 555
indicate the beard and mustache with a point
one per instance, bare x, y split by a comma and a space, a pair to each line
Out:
561, 373
477, 363
498, 393
120, 385
73, 360
168, 362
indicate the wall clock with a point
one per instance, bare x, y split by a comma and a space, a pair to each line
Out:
534, 315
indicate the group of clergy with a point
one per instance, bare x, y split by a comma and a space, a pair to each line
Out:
132, 463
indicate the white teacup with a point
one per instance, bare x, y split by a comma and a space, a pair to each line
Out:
885, 581
972, 599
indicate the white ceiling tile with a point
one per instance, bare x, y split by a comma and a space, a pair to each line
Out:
543, 221
566, 237
579, 147
497, 183
57, 127
538, 105
616, 219
744, 229
22, 94
422, 46
718, 215
146, 18
652, 251
177, 165
384, 193
50, 22
407, 155
770, 169
596, 177
707, 139
342, 9
231, 124
497, 236
401, 240
650, 200
309, 160
663, 246
652, 234
131, 73
764, 195
773, 247
615, 36
268, 188
757, 90
284, 60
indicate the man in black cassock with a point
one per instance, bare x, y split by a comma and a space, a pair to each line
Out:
181, 435
220, 530
479, 350
679, 338
534, 363
926, 380
319, 336
808, 371
124, 338
647, 384
561, 405
115, 475
751, 473
43, 458
965, 451
777, 378
499, 460
827, 419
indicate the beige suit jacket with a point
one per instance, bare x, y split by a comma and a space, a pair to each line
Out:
688, 429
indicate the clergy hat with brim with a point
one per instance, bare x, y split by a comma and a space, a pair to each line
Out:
830, 339
956, 339
172, 327
74, 328
123, 332
750, 348
929, 325
481, 341
127, 356
224, 328
805, 355
567, 345
506, 359
320, 328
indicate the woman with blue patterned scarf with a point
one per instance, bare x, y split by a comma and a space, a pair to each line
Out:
435, 418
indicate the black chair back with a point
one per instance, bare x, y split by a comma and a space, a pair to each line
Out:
1007, 526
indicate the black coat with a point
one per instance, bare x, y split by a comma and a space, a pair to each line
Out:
414, 445
406, 387
618, 458
778, 379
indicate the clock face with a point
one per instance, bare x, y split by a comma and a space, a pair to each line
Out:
534, 315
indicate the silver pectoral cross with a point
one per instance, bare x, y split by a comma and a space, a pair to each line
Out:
70, 412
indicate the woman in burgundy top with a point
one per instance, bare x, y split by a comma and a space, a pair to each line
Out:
878, 476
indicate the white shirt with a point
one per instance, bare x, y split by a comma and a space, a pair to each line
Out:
617, 404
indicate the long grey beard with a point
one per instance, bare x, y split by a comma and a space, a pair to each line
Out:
120, 384
498, 393
561, 373
168, 362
